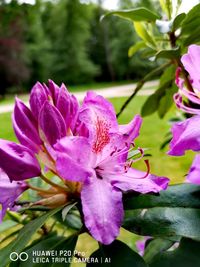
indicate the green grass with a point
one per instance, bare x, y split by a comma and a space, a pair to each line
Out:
102, 85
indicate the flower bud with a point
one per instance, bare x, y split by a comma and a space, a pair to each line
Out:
9, 192
18, 161
53, 201
38, 96
51, 123
25, 126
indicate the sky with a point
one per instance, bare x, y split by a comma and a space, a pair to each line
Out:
186, 4
112, 4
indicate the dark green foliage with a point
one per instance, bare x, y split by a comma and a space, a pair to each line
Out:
116, 254
186, 255
68, 26
174, 213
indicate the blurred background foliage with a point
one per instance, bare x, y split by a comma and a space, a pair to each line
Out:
65, 41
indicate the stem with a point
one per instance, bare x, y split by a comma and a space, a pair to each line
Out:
39, 189
60, 187
185, 76
173, 38
45, 229
140, 85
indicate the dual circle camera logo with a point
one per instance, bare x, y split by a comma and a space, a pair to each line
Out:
14, 256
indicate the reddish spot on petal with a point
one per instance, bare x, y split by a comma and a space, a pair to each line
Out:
102, 135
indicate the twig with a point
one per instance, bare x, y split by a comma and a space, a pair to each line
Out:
140, 85
173, 38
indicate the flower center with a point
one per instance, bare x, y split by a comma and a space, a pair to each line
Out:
102, 135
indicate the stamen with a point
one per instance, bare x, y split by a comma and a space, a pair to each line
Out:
102, 135
115, 154
126, 168
148, 168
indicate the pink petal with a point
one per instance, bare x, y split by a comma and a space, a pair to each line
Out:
70, 170
191, 63
181, 105
134, 180
74, 158
52, 123
37, 98
54, 90
9, 192
103, 210
186, 136
141, 244
98, 116
131, 130
25, 126
194, 173
18, 161
68, 107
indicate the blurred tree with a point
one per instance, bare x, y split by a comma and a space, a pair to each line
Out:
68, 25
13, 70
99, 44
38, 45
109, 44
64, 40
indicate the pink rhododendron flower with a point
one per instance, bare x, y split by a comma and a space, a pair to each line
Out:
85, 147
99, 160
10, 191
186, 134
53, 111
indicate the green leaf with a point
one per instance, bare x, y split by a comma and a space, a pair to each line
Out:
182, 195
148, 52
186, 255
164, 222
191, 27
73, 221
142, 32
116, 254
24, 237
192, 16
134, 48
72, 218
5, 225
156, 246
166, 6
174, 213
167, 76
136, 14
178, 21
66, 210
166, 101
169, 54
153, 102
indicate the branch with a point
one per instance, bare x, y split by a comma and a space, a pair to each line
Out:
173, 38
140, 85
